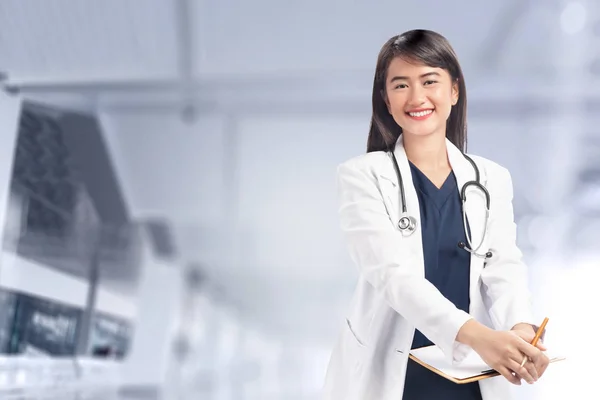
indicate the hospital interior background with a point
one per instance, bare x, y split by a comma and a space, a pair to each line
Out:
167, 184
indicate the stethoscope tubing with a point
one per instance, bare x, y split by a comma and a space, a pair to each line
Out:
407, 223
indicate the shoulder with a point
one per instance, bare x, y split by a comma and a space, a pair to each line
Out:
492, 167
362, 173
368, 163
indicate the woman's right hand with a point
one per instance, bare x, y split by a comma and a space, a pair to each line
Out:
502, 350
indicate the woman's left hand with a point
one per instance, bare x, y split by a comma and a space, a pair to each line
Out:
527, 333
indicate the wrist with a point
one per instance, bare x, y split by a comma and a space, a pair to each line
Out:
522, 326
470, 332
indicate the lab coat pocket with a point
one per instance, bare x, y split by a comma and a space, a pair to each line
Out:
355, 348
355, 338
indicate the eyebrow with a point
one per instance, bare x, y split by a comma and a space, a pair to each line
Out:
405, 78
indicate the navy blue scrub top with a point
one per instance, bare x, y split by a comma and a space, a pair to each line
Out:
447, 267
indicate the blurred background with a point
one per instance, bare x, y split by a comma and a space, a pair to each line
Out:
167, 184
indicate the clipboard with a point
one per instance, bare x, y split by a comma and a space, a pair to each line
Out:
471, 369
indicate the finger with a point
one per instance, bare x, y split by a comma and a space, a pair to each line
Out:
505, 372
532, 374
516, 356
542, 364
532, 369
532, 352
523, 371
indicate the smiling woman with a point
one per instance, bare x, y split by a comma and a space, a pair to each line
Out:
431, 230
416, 92
414, 83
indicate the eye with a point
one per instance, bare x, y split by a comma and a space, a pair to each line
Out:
400, 86
430, 82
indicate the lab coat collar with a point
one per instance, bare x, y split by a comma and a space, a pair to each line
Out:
462, 168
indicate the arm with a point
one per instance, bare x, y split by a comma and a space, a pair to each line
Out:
391, 266
505, 275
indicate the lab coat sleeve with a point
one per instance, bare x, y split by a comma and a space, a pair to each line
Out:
387, 263
505, 277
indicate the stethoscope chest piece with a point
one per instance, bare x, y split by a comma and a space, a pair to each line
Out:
407, 225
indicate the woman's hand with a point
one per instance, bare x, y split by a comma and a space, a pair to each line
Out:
503, 351
527, 333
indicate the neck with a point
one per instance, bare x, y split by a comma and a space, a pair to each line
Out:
426, 152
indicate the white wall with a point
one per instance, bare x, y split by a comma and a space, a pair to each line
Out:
30, 277
253, 198
159, 300
10, 111
166, 165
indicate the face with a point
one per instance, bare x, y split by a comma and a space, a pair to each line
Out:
419, 97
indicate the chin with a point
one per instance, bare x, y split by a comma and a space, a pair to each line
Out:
420, 132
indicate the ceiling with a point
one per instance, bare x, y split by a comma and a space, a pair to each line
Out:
169, 50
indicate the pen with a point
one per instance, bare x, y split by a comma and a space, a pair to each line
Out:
538, 334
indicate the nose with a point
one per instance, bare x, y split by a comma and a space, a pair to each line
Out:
416, 96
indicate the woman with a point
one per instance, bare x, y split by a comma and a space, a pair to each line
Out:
428, 275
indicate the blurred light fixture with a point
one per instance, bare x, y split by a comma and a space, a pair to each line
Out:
589, 197
573, 18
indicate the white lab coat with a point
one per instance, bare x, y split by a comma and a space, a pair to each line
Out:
392, 296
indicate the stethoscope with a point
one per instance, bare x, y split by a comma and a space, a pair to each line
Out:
408, 224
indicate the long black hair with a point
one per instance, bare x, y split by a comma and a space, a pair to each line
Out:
431, 49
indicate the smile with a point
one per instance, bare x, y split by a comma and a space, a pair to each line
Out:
420, 114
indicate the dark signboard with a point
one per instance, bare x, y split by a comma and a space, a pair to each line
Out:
8, 304
38, 326
109, 336
31, 325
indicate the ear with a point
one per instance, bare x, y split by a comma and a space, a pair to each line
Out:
455, 93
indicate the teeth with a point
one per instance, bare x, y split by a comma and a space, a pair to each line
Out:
420, 113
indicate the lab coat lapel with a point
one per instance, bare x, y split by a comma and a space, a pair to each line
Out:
475, 207
391, 190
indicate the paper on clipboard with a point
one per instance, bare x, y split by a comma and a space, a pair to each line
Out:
471, 369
